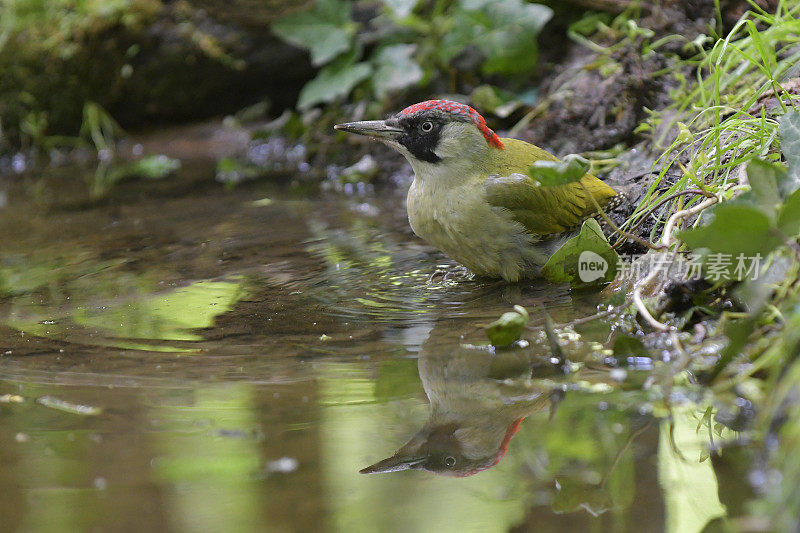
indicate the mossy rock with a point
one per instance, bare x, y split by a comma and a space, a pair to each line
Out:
149, 62
256, 15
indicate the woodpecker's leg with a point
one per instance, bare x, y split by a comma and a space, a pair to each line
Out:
438, 273
458, 271
449, 272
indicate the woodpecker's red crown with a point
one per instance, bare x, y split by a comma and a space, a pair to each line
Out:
459, 111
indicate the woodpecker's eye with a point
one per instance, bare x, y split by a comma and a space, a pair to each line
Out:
426, 126
449, 461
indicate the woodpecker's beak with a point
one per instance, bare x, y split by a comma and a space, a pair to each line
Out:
382, 129
394, 463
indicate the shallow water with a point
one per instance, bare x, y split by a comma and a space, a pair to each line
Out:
185, 357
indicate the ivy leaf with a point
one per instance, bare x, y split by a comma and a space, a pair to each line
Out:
789, 215
789, 130
333, 81
508, 328
735, 229
395, 69
583, 260
764, 190
504, 31
511, 47
325, 31
551, 173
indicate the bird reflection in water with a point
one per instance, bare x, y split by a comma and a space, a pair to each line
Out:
478, 399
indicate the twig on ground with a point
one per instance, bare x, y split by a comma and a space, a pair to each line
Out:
666, 237
666, 242
583, 320
639, 303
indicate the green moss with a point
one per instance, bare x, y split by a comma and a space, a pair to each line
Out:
138, 59
56, 55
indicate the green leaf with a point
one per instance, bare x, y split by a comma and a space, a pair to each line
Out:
333, 81
508, 328
583, 260
738, 332
511, 48
764, 193
789, 129
589, 23
767, 53
734, 229
552, 173
152, 167
627, 346
789, 215
504, 31
395, 69
326, 30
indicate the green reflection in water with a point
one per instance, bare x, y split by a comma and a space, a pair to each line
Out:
49, 465
170, 316
60, 486
211, 476
100, 303
589, 455
690, 486
23, 275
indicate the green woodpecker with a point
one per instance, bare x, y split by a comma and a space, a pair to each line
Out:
477, 403
472, 197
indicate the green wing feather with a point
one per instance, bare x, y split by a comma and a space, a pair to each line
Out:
542, 210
